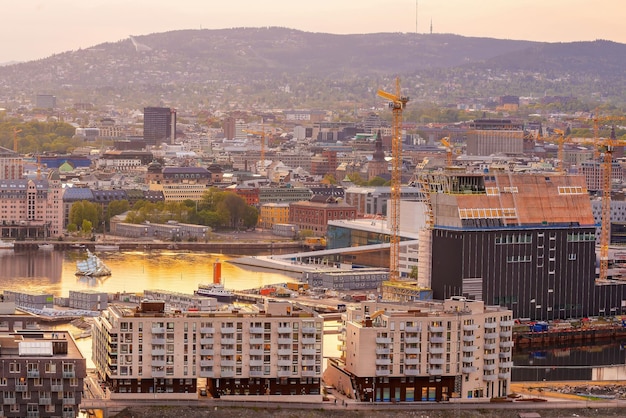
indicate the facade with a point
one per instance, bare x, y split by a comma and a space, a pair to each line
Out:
272, 214
31, 209
42, 374
159, 125
11, 165
171, 231
179, 183
594, 174
373, 200
524, 241
283, 194
424, 352
46, 101
314, 215
492, 136
274, 350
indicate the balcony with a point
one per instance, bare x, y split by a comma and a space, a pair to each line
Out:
490, 377
283, 351
468, 348
307, 340
284, 363
435, 371
69, 374
505, 355
469, 338
491, 356
207, 352
434, 328
437, 340
308, 362
308, 373
436, 361
69, 401
412, 350
506, 344
256, 352
468, 358
32, 374
383, 361
436, 350
45, 401
470, 327
56, 388
207, 330
158, 363
227, 363
284, 373
157, 351
207, 363
21, 388
411, 361
504, 376
159, 341
68, 414
158, 373
413, 329
490, 346
507, 323
285, 330
506, 334
341, 347
256, 330
506, 364
256, 373
227, 352
157, 330
490, 325
227, 341
309, 330
491, 335
308, 351
8, 401
468, 370
227, 330
256, 362
383, 340
227, 373
256, 340
206, 373
490, 367
412, 340
284, 341
383, 350
32, 414
411, 371
382, 372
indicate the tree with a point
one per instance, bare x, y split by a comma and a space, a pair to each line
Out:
117, 207
86, 227
85, 210
234, 205
250, 217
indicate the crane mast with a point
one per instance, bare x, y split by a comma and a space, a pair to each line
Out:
397, 103
15, 132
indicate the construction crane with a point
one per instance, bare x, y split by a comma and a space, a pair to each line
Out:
15, 132
397, 103
262, 134
446, 143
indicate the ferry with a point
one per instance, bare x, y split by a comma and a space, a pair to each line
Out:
216, 289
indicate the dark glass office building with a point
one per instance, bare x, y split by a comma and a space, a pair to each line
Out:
159, 125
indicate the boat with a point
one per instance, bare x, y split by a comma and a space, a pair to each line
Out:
106, 247
7, 245
92, 266
46, 247
216, 289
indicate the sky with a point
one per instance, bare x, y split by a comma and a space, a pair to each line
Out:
34, 29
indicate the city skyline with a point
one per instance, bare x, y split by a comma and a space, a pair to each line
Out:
38, 29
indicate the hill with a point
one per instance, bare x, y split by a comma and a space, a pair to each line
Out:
285, 67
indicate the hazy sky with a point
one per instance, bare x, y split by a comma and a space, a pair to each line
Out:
33, 29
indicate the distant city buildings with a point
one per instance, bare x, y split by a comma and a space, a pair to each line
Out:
159, 125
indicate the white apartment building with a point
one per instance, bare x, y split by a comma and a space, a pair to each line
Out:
272, 350
425, 351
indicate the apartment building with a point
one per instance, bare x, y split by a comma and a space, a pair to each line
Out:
272, 214
314, 215
424, 351
272, 350
42, 374
11, 165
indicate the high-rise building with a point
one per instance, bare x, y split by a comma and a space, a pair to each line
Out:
46, 101
11, 165
273, 350
492, 136
424, 352
159, 125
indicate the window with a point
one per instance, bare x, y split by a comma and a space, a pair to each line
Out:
14, 368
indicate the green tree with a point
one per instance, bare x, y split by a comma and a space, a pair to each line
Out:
117, 207
85, 210
250, 217
234, 206
86, 227
72, 228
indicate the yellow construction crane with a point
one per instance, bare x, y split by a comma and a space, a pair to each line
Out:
446, 143
15, 132
397, 103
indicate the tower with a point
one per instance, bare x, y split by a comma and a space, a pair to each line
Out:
159, 125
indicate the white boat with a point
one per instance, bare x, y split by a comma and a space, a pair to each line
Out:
7, 245
46, 247
216, 289
106, 247
92, 267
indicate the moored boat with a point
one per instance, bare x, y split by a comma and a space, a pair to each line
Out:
7, 245
216, 289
